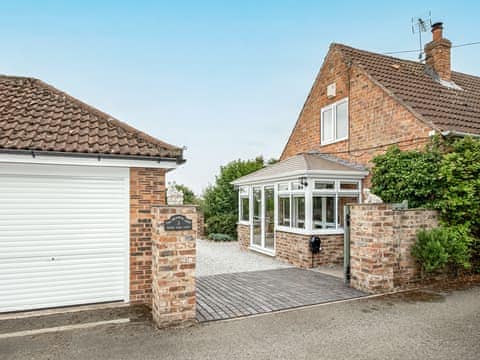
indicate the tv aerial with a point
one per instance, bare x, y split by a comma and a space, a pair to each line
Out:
421, 24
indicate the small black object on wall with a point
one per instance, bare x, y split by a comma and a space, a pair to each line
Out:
315, 246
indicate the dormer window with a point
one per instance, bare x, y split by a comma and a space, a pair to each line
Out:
334, 122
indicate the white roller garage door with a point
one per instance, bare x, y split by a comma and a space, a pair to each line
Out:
63, 235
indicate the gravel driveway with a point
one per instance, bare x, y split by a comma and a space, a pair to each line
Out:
226, 257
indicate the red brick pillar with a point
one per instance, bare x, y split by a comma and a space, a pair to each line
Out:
173, 267
372, 257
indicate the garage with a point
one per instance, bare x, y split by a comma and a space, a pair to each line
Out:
77, 187
64, 235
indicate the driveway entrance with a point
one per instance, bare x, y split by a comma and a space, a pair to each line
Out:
224, 296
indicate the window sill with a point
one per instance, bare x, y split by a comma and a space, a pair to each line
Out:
262, 250
242, 222
310, 232
322, 143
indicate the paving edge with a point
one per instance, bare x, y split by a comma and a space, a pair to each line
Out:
305, 307
63, 328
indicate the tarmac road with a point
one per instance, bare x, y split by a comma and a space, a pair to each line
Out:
419, 325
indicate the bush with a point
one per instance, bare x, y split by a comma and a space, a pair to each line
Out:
222, 224
429, 251
444, 246
459, 173
446, 177
475, 254
407, 175
220, 237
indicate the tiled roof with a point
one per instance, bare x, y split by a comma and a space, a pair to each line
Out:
445, 107
36, 116
302, 164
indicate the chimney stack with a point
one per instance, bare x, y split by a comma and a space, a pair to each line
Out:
438, 53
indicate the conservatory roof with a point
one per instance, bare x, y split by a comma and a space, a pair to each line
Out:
311, 163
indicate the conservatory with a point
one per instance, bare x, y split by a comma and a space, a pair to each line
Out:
282, 205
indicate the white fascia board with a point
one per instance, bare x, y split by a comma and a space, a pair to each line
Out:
331, 174
85, 161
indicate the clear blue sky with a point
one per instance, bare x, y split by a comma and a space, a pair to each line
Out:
225, 79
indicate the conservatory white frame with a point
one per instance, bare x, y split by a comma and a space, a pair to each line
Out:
308, 191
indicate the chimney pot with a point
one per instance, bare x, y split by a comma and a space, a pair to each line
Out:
437, 31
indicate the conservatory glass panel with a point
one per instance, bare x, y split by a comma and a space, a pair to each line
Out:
284, 210
298, 212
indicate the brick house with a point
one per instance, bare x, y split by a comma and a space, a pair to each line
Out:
76, 191
360, 103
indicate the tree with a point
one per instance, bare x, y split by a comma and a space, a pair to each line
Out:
220, 201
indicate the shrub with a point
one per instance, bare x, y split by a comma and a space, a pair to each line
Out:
220, 237
222, 224
459, 173
446, 177
429, 251
439, 247
458, 246
407, 175
475, 254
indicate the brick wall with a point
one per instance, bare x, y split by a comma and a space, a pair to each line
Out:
375, 118
201, 224
294, 249
243, 236
173, 267
380, 243
147, 188
406, 270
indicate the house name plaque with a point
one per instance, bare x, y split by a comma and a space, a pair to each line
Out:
178, 222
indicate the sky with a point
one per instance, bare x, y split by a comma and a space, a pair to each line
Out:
225, 79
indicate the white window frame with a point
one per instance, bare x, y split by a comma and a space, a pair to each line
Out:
333, 107
309, 192
246, 195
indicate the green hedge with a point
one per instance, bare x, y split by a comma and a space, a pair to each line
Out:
444, 176
222, 224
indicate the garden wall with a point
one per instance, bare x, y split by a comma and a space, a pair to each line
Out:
243, 235
295, 249
380, 246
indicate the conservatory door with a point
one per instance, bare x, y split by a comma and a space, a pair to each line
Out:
263, 237
257, 217
269, 219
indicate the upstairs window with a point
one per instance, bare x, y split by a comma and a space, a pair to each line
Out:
334, 122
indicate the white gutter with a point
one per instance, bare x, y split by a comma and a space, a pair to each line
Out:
100, 161
458, 133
